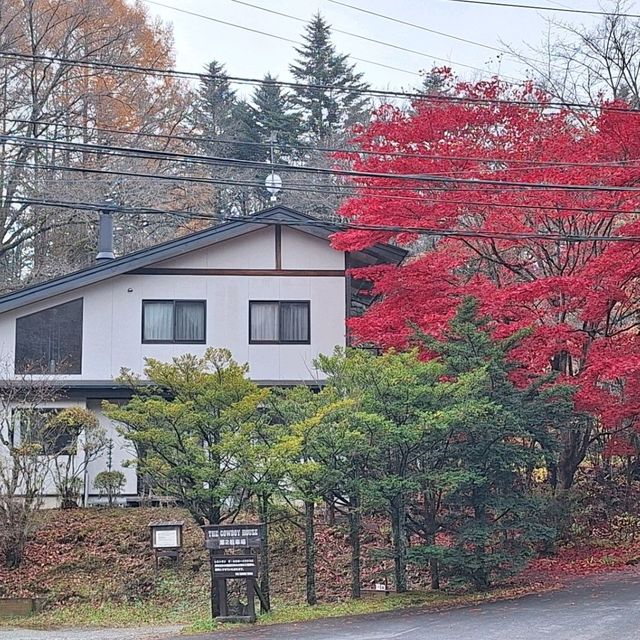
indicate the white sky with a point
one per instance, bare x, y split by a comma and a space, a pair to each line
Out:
197, 40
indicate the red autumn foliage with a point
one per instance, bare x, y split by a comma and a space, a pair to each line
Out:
581, 298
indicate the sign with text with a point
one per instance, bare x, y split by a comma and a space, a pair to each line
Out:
235, 566
230, 536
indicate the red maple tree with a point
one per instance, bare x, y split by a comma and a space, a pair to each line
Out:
580, 294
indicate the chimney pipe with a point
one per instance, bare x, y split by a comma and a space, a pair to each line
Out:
105, 237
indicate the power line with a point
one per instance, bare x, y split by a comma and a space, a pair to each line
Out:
379, 192
530, 164
254, 164
341, 226
427, 30
381, 93
538, 7
271, 35
353, 35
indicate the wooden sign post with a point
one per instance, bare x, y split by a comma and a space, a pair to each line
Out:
243, 542
166, 540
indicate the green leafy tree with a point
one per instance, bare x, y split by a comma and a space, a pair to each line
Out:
336, 101
305, 425
195, 419
397, 399
491, 518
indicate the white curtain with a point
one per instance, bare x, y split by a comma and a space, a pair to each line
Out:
264, 321
294, 322
190, 321
158, 321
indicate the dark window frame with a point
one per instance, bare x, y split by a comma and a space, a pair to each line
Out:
20, 367
307, 303
174, 302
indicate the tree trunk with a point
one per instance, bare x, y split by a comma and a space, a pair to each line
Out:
310, 550
355, 521
399, 534
330, 512
263, 502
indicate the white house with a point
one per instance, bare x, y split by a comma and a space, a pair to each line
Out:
272, 290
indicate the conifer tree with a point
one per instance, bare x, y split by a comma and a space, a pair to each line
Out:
274, 113
326, 110
214, 106
227, 126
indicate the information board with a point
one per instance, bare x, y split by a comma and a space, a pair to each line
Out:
235, 566
230, 536
165, 539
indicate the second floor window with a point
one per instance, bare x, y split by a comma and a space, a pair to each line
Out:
168, 321
50, 341
279, 322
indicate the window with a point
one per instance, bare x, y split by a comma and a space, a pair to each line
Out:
167, 321
50, 341
279, 322
36, 429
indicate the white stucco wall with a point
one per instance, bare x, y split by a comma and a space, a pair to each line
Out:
112, 323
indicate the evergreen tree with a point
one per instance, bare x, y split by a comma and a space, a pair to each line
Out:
228, 129
213, 110
326, 110
274, 113
489, 514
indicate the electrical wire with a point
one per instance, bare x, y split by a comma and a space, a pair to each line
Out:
418, 177
537, 7
379, 193
271, 35
341, 226
427, 30
529, 164
340, 31
381, 93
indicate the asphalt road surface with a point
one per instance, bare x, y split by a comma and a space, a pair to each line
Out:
593, 609
606, 608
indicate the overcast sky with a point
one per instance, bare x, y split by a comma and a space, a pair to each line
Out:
250, 54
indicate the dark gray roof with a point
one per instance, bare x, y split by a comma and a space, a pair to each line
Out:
173, 248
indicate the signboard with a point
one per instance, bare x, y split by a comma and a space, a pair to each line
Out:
230, 536
235, 566
166, 535
165, 539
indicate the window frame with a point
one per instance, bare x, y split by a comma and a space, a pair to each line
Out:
307, 303
174, 303
44, 371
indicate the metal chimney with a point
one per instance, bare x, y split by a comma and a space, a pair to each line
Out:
105, 237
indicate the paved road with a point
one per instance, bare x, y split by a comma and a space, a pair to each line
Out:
591, 609
148, 633
594, 609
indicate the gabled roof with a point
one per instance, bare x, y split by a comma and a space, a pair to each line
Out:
295, 219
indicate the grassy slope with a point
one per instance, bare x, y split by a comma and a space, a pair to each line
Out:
96, 568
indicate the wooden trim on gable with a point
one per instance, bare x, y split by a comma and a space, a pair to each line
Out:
301, 273
278, 232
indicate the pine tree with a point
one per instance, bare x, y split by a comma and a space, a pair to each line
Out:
274, 113
325, 111
228, 129
214, 106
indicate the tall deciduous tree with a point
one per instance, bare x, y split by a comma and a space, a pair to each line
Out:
48, 105
577, 288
